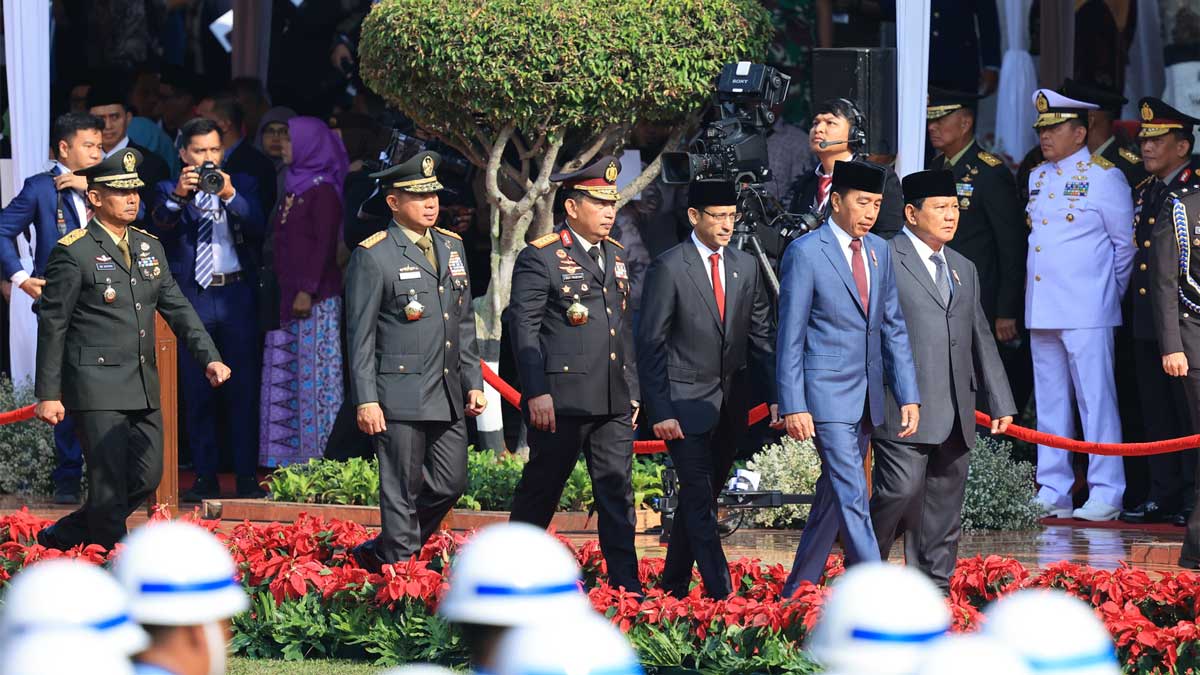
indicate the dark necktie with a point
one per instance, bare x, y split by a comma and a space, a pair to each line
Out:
940, 277
859, 268
718, 290
594, 252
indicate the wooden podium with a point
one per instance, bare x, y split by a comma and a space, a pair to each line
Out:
168, 379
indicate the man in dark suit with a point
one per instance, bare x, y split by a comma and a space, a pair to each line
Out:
839, 134
964, 45
206, 239
96, 352
252, 173
570, 327
920, 479
842, 337
414, 364
991, 228
1166, 140
696, 368
50, 205
108, 101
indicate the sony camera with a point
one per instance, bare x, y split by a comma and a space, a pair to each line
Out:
210, 178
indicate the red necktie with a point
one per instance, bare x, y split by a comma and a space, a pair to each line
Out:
718, 291
860, 270
823, 185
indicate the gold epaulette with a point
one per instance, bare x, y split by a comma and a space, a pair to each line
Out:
1129, 156
72, 236
449, 233
544, 240
614, 242
1142, 184
138, 229
373, 239
990, 159
1100, 161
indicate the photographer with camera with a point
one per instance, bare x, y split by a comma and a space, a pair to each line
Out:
838, 134
205, 225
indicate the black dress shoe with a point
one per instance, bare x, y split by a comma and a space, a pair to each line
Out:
205, 487
45, 537
1189, 563
1147, 512
248, 488
1181, 519
364, 555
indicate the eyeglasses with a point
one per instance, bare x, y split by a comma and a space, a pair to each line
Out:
726, 217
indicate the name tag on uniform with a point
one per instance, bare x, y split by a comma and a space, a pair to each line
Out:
1075, 189
409, 274
619, 270
965, 189
572, 277
1034, 192
106, 266
457, 269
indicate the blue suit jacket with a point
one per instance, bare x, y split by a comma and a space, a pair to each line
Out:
37, 205
179, 230
831, 355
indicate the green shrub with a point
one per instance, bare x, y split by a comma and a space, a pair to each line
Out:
26, 448
792, 467
1000, 490
319, 481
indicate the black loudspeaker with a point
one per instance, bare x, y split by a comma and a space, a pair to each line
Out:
866, 77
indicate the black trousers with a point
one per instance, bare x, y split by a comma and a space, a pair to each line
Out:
123, 453
918, 491
1165, 414
607, 444
422, 473
702, 463
1190, 334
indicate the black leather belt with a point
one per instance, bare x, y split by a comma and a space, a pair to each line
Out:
219, 279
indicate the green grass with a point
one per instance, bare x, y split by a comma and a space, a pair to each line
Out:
243, 666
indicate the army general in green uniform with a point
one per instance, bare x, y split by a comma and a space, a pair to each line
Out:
96, 352
414, 365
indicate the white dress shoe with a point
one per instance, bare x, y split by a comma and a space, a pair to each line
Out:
1097, 512
1053, 511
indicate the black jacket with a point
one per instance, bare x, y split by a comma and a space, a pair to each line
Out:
1148, 207
690, 363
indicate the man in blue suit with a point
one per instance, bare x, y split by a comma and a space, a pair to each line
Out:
842, 339
206, 239
49, 205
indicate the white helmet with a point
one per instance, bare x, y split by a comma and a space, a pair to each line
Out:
878, 620
513, 574
177, 574
1054, 632
971, 653
584, 644
65, 593
63, 650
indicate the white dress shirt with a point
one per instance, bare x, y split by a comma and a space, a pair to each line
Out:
844, 239
225, 257
587, 246
925, 253
705, 252
121, 145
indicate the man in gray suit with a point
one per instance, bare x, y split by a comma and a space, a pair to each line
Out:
920, 480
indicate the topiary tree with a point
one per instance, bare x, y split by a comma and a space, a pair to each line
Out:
526, 87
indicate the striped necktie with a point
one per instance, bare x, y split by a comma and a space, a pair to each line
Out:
204, 249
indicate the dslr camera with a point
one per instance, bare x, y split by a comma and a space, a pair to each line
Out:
210, 178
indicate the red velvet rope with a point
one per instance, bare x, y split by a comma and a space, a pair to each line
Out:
18, 415
759, 412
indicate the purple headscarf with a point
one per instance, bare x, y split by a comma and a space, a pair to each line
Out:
318, 156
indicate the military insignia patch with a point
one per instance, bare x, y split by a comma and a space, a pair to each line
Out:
427, 166
373, 239
455, 263
1147, 113
611, 173
614, 242
1042, 103
449, 233
72, 237
129, 161
544, 241
1129, 156
990, 159
1079, 189
965, 189
619, 270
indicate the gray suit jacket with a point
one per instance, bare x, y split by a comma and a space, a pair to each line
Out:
950, 345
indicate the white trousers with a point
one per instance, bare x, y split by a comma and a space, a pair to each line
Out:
1075, 366
22, 330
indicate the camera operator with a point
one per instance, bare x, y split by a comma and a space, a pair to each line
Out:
839, 133
204, 224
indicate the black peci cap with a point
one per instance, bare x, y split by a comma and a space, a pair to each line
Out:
859, 175
924, 184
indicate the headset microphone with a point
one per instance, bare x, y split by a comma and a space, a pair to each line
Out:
826, 144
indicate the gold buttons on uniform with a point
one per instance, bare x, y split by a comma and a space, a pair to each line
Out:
1142, 267
1150, 220
137, 306
1196, 242
446, 316
142, 359
447, 344
441, 289
401, 367
566, 368
1051, 195
99, 359
612, 332
142, 333
612, 356
1146, 244
609, 310
1045, 222
1037, 277
1070, 217
133, 282
1141, 291
1037, 249
445, 371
